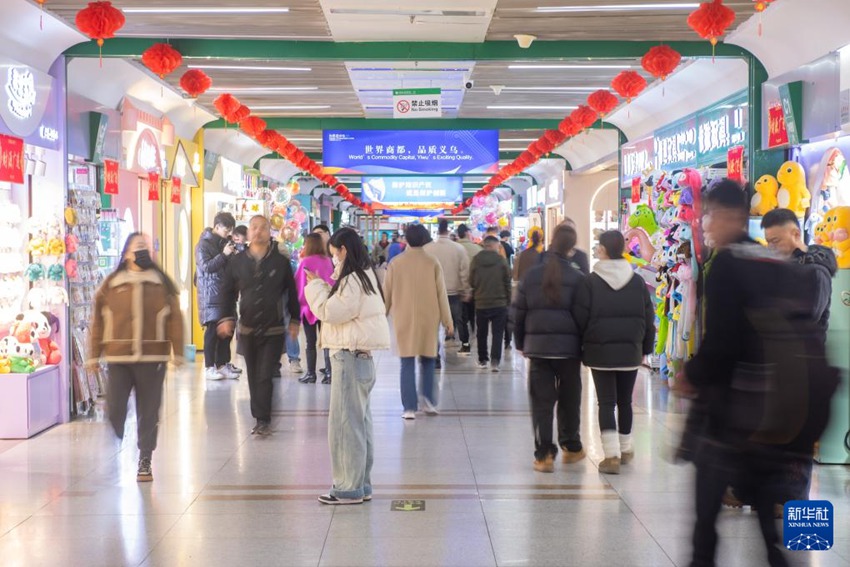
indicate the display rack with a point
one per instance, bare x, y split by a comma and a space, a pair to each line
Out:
109, 241
83, 225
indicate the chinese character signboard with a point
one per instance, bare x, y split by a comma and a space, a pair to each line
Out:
176, 187
412, 193
777, 130
636, 190
400, 152
110, 177
153, 186
808, 525
787, 95
11, 159
676, 146
735, 164
417, 103
637, 158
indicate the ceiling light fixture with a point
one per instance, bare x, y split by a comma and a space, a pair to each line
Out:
409, 13
567, 66
520, 107
249, 68
518, 139
201, 10
616, 8
589, 89
260, 89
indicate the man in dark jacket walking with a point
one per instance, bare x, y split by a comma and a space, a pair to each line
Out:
267, 296
212, 254
490, 279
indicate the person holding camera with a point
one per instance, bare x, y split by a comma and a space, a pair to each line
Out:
212, 254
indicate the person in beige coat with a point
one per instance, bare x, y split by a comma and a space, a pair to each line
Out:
416, 299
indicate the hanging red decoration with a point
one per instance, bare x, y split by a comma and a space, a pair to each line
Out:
568, 127
241, 114
176, 189
661, 61
555, 137
195, 82
227, 105
602, 101
535, 150
253, 126
711, 20
628, 85
266, 138
153, 186
583, 116
162, 59
100, 21
761, 5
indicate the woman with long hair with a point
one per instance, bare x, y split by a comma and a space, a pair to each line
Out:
615, 315
136, 326
354, 324
313, 259
529, 257
547, 334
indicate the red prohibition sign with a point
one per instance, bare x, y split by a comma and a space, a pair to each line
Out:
403, 106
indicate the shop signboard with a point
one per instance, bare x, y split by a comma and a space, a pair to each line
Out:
24, 97
412, 193
735, 164
637, 157
110, 177
704, 138
11, 159
417, 103
777, 131
394, 152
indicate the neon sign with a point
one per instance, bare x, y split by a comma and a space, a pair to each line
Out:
20, 86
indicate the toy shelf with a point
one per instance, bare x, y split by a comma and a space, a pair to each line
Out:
30, 403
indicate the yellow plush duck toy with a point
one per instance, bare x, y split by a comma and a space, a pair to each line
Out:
765, 199
793, 193
838, 220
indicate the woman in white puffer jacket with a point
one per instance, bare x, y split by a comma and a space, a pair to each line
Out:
354, 324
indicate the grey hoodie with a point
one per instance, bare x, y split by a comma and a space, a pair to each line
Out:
616, 273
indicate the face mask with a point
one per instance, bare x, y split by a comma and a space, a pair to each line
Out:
144, 260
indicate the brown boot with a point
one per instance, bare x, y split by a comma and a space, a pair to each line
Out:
610, 465
570, 457
626, 457
547, 465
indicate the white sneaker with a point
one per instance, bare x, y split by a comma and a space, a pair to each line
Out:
212, 373
227, 373
482, 365
427, 406
494, 367
295, 367
409, 414
234, 369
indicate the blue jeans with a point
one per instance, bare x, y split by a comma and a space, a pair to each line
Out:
409, 399
350, 424
293, 349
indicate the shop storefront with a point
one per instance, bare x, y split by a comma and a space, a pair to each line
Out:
35, 389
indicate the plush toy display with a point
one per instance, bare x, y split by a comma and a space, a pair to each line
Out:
644, 218
836, 230
793, 193
47, 326
5, 365
765, 199
22, 364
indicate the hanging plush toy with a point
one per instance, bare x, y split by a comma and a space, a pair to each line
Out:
644, 218
793, 193
838, 225
765, 199
46, 326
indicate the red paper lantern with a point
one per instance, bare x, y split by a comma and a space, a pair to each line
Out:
241, 114
195, 82
555, 137
602, 101
568, 127
253, 126
661, 61
711, 20
100, 21
162, 59
266, 138
227, 105
583, 116
628, 85
535, 149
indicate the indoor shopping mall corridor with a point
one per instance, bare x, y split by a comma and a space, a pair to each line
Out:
222, 497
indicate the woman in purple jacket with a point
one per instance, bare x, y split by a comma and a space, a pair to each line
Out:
314, 259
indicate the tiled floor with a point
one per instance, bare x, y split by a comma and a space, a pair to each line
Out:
221, 497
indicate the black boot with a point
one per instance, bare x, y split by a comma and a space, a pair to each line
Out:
327, 376
309, 378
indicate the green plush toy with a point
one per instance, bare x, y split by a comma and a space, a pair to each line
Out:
22, 365
644, 218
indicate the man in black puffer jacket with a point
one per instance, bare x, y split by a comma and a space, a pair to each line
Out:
212, 255
548, 335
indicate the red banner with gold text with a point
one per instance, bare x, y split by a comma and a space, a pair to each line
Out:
110, 177
11, 159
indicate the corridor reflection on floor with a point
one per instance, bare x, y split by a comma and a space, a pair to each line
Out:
221, 497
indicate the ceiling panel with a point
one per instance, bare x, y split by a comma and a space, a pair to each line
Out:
541, 18
304, 20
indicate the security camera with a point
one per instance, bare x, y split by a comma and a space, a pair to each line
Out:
468, 84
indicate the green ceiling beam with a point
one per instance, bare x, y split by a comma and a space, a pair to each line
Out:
316, 123
397, 51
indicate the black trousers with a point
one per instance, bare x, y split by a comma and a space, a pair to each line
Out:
147, 379
311, 332
461, 330
551, 382
262, 357
468, 315
496, 318
216, 349
614, 390
720, 466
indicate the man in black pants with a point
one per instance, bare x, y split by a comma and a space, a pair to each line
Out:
212, 255
267, 293
490, 280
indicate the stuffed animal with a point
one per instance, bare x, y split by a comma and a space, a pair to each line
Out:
838, 219
644, 218
37, 246
48, 326
765, 199
22, 365
25, 332
823, 233
71, 243
5, 365
793, 193
56, 247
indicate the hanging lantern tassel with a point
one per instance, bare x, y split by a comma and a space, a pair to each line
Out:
761, 6
41, 17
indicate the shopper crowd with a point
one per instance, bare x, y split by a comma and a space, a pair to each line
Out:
766, 316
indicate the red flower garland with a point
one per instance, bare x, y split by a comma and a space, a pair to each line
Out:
195, 82
162, 59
